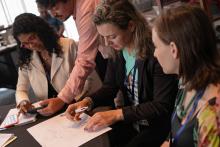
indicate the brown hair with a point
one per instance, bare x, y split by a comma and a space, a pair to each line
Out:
191, 30
119, 13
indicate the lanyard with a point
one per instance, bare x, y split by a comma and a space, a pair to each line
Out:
133, 80
127, 81
198, 96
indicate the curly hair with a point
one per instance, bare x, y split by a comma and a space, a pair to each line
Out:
120, 13
30, 23
191, 30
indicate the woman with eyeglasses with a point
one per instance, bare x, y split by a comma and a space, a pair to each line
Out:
45, 62
149, 94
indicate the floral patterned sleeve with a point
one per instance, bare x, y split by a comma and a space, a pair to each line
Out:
209, 124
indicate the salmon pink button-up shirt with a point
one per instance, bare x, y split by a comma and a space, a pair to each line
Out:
87, 49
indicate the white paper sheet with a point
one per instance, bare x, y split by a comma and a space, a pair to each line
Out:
5, 139
60, 132
23, 119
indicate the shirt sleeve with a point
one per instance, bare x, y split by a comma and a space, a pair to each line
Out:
23, 86
85, 61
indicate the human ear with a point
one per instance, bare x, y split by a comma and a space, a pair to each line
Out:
174, 50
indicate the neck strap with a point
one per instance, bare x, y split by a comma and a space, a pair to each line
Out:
180, 110
196, 98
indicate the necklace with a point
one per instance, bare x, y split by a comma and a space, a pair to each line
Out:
180, 110
196, 99
45, 57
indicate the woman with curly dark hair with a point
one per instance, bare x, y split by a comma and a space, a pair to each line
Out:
45, 61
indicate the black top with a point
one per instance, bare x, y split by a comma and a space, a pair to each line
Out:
186, 138
156, 92
186, 134
51, 91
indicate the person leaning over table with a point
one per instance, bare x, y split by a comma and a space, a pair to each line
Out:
82, 11
54, 22
149, 93
186, 45
45, 61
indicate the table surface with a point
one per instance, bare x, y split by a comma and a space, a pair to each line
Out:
25, 139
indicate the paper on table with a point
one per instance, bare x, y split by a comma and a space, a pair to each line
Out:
59, 131
23, 119
5, 139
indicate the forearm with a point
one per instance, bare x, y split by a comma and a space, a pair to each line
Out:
76, 81
145, 111
119, 115
21, 96
85, 62
22, 86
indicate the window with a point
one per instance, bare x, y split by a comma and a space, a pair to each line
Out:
9, 9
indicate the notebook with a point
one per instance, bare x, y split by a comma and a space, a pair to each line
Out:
12, 120
5, 139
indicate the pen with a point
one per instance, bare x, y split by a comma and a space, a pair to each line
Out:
77, 110
2, 129
81, 109
9, 126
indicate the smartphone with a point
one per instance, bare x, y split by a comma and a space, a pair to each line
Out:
34, 110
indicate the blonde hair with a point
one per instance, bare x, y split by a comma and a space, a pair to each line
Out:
120, 13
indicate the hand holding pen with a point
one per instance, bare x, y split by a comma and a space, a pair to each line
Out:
75, 110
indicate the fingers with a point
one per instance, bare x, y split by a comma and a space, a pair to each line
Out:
44, 102
95, 123
77, 116
53, 106
70, 112
45, 111
19, 113
24, 107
